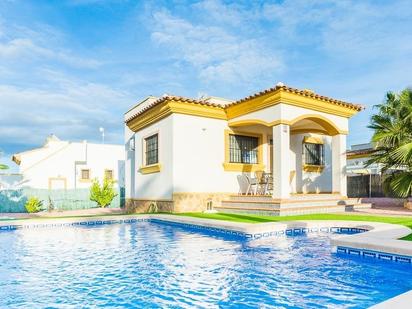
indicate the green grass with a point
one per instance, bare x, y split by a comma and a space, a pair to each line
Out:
406, 221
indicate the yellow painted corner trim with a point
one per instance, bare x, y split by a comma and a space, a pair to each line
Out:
169, 107
241, 167
150, 169
312, 140
313, 168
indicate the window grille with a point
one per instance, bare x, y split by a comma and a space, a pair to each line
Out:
152, 149
314, 154
243, 149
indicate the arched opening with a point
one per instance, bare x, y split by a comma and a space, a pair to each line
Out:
313, 124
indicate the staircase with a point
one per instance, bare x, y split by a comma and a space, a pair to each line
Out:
297, 204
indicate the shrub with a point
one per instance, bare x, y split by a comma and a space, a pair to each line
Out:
33, 205
102, 195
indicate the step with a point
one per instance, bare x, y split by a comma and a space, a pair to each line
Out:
315, 196
292, 211
287, 204
293, 197
258, 208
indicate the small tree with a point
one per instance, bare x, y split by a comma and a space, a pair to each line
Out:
33, 205
102, 195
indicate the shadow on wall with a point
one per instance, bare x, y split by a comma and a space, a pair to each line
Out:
316, 182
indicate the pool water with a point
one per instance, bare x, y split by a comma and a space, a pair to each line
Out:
156, 265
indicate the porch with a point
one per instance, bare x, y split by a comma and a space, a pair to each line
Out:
305, 158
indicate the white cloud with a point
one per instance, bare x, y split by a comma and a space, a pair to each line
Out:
215, 52
42, 43
72, 109
359, 29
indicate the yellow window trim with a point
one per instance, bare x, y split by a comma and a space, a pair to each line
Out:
112, 172
312, 140
313, 168
58, 178
81, 179
243, 167
150, 169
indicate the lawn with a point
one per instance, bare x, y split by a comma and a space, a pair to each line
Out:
407, 221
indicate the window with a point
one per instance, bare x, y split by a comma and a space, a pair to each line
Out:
152, 149
243, 149
85, 174
108, 174
314, 154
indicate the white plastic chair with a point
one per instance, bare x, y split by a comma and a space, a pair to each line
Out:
243, 184
251, 182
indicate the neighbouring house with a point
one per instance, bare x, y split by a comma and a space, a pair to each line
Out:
365, 180
191, 154
357, 157
70, 165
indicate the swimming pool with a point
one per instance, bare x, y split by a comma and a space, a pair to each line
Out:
153, 264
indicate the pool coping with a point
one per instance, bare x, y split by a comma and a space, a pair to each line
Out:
379, 238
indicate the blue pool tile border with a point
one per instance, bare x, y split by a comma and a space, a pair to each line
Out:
287, 232
13, 227
249, 236
365, 253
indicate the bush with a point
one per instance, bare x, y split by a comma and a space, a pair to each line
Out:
33, 205
102, 195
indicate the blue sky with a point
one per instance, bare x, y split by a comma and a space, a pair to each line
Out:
70, 66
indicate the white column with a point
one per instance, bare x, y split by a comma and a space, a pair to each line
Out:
281, 161
339, 164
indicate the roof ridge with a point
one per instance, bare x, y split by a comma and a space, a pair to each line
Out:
279, 86
303, 92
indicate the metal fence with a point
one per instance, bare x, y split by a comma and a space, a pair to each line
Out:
366, 186
13, 201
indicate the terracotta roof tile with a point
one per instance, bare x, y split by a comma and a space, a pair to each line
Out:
306, 93
173, 98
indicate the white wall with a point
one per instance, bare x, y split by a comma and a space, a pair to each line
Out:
157, 185
130, 168
305, 181
67, 160
199, 154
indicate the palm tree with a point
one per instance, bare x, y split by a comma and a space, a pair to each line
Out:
392, 126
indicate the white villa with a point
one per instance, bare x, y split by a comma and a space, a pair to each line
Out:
195, 154
70, 165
